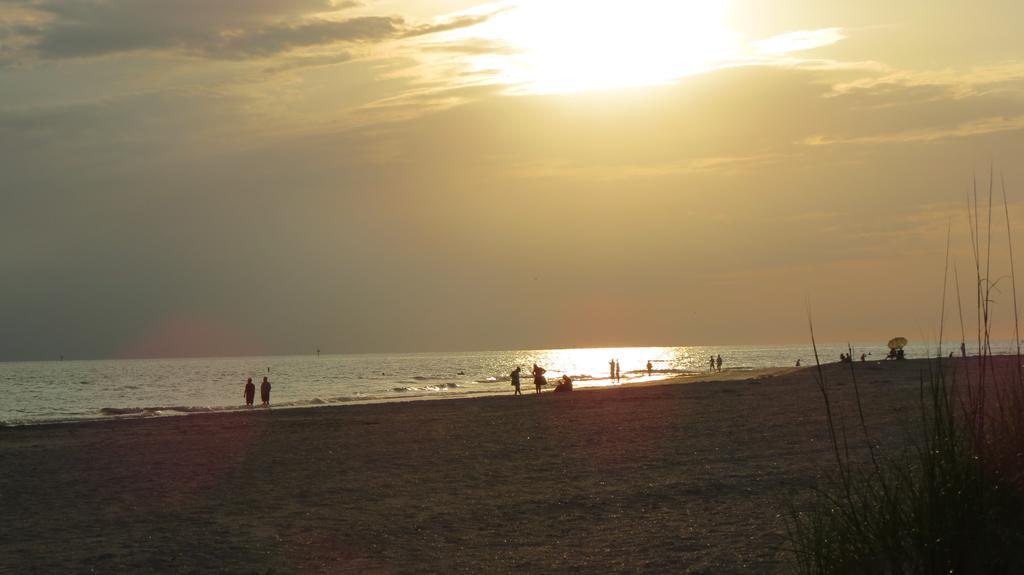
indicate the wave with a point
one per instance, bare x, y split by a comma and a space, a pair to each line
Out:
526, 377
436, 387
159, 410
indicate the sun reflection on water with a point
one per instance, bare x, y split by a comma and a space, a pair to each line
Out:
590, 367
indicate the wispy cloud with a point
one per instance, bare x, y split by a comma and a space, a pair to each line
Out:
448, 25
979, 80
798, 41
964, 130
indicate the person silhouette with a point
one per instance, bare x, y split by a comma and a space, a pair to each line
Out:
618, 372
650, 369
539, 380
611, 369
719, 362
265, 392
711, 363
250, 392
515, 380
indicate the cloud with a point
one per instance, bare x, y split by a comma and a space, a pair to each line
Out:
978, 81
979, 127
447, 26
473, 46
798, 41
52, 29
283, 38
896, 106
287, 63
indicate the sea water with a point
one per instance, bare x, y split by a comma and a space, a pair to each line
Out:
42, 392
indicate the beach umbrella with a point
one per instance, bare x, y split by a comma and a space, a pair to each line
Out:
897, 342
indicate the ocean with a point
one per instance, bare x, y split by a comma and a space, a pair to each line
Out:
53, 391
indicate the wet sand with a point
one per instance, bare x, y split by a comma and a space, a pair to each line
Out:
650, 478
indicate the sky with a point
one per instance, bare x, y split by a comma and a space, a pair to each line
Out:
228, 177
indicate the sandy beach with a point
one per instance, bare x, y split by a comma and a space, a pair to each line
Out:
658, 478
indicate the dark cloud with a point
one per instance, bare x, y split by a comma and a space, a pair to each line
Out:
276, 39
213, 29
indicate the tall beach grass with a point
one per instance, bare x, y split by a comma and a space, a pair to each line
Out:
952, 500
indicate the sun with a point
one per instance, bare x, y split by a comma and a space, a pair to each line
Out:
561, 46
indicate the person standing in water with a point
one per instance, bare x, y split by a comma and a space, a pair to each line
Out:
250, 392
650, 369
515, 380
611, 369
719, 362
265, 391
618, 372
711, 363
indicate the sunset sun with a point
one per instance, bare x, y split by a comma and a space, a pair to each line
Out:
575, 46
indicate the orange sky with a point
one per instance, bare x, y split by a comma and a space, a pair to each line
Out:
398, 175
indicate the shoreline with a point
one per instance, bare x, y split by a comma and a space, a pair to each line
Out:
147, 413
646, 478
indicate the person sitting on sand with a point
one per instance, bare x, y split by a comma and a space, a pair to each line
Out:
539, 380
265, 391
250, 392
514, 376
566, 384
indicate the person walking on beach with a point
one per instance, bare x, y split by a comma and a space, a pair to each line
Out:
711, 364
539, 380
265, 391
515, 380
719, 362
618, 372
250, 392
650, 369
611, 369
